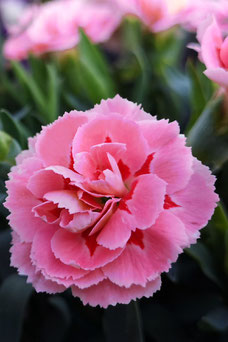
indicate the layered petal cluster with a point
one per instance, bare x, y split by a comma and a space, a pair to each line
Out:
104, 201
213, 51
158, 15
54, 26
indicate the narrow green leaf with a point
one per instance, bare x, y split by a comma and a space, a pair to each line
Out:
209, 136
12, 127
53, 93
14, 296
215, 320
198, 98
123, 323
206, 262
94, 72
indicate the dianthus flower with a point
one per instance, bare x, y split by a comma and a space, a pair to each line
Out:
54, 26
103, 201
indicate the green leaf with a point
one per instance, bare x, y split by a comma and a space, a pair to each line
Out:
215, 320
52, 92
204, 258
14, 297
209, 136
12, 127
123, 323
198, 98
93, 71
9, 148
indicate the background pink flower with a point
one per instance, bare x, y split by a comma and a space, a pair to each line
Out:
54, 26
213, 51
158, 15
104, 201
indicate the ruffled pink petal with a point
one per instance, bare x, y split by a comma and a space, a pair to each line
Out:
66, 173
197, 201
44, 260
47, 211
159, 132
127, 109
218, 75
84, 164
67, 199
210, 46
99, 153
20, 202
79, 221
75, 250
25, 169
144, 260
20, 258
117, 129
88, 199
139, 209
173, 163
106, 293
44, 181
90, 279
54, 142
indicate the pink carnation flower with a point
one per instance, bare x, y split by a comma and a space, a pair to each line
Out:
213, 51
158, 15
54, 26
104, 201
199, 10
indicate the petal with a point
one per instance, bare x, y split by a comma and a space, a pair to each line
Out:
79, 221
67, 199
92, 278
160, 246
20, 258
120, 130
54, 142
127, 109
139, 209
72, 250
106, 293
44, 181
20, 202
47, 211
197, 201
159, 132
44, 260
218, 75
173, 163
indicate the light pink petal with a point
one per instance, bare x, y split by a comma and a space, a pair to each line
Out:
224, 52
139, 209
67, 199
44, 260
72, 250
25, 169
66, 173
197, 201
90, 279
210, 45
99, 153
107, 212
106, 293
127, 109
88, 199
84, 164
20, 202
218, 75
117, 129
144, 260
159, 132
79, 221
173, 163
44, 181
54, 142
47, 211
20, 258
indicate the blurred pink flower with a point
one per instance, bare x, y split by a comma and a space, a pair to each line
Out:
198, 11
158, 15
104, 201
54, 26
213, 51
